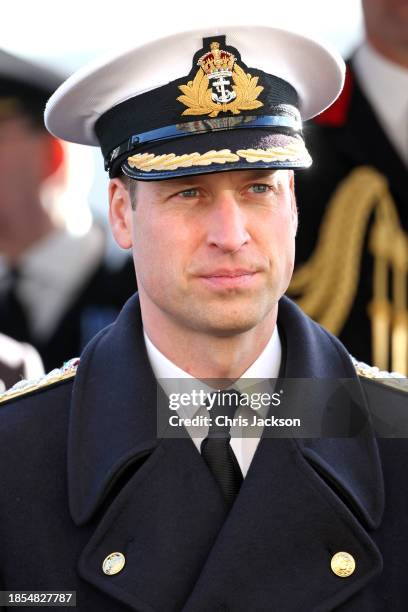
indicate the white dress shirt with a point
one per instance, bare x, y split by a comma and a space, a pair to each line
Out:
385, 85
264, 368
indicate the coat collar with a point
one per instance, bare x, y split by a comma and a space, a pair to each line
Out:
350, 464
115, 394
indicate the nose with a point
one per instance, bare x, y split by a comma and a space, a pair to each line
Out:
227, 223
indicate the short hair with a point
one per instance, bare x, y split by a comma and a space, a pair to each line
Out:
131, 186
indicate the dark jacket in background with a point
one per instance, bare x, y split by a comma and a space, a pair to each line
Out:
347, 137
93, 307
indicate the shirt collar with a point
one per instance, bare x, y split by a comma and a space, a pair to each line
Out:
175, 380
265, 366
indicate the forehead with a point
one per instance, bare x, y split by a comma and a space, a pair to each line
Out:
14, 125
228, 178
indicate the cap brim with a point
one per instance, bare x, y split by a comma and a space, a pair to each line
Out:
215, 152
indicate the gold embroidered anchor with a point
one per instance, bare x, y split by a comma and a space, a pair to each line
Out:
211, 91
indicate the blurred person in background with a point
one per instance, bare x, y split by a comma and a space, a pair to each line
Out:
17, 361
56, 289
352, 242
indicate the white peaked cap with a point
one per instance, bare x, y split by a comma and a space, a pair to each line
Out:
314, 71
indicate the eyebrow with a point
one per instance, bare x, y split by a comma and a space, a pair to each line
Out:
179, 182
262, 172
175, 184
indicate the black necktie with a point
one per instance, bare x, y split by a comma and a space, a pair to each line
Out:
13, 319
216, 450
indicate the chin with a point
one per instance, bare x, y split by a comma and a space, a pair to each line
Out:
231, 329
227, 323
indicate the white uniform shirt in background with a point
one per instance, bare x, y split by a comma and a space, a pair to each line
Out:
385, 85
52, 274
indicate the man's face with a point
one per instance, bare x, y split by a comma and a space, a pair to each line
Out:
387, 20
21, 169
214, 253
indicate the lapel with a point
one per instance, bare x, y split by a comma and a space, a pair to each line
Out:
154, 500
364, 142
301, 502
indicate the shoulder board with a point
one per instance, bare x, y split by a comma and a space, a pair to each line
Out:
391, 379
23, 387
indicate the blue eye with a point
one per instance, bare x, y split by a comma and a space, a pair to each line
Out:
188, 193
259, 188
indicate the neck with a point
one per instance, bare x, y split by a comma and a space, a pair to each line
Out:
218, 357
396, 54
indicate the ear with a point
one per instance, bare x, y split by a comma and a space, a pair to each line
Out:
293, 206
120, 213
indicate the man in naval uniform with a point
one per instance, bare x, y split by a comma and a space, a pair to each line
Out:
52, 279
352, 246
201, 133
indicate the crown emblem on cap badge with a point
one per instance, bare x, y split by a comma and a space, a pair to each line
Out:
220, 85
218, 65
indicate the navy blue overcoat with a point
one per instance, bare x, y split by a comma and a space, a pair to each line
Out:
82, 475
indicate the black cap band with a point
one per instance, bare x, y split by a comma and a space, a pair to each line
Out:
290, 121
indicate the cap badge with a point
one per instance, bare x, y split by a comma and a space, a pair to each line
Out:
220, 85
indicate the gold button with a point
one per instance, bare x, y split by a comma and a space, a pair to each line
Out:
113, 564
343, 564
